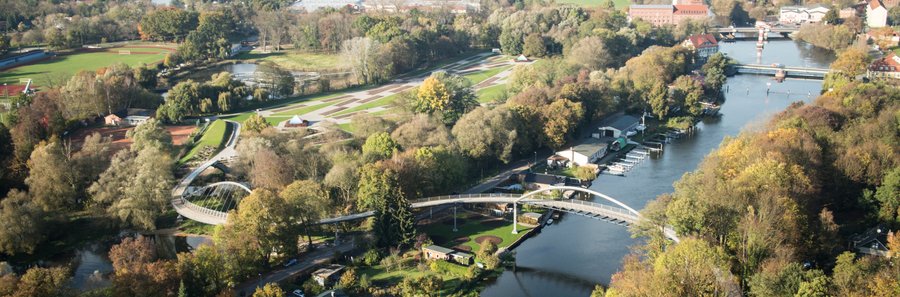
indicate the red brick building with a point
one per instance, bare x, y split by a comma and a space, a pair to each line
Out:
659, 15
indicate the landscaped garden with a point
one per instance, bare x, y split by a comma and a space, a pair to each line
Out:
491, 93
471, 230
213, 139
58, 69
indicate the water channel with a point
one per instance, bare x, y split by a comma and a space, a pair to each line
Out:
569, 257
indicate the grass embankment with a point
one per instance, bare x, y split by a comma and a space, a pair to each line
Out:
214, 136
58, 69
470, 227
491, 93
297, 60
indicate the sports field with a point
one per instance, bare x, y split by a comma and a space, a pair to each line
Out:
58, 69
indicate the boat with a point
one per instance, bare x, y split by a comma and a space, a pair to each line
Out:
549, 222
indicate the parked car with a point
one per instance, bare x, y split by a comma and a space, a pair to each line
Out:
298, 293
290, 263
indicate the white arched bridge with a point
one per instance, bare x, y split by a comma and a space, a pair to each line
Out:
210, 204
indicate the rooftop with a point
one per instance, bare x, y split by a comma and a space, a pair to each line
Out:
620, 121
703, 40
590, 146
439, 249
891, 63
329, 270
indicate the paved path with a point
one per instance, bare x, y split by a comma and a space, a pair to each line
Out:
306, 262
339, 103
194, 212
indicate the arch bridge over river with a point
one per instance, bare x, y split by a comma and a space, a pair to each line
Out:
220, 197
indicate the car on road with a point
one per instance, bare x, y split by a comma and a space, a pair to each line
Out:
290, 263
298, 293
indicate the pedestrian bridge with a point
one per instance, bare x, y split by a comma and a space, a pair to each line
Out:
786, 71
209, 213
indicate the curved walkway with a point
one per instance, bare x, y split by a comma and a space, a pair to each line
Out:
192, 211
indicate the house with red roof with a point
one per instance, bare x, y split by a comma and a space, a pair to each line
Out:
885, 68
679, 10
703, 45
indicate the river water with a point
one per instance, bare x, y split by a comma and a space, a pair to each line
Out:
569, 257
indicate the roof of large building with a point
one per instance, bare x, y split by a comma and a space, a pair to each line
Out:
439, 249
890, 63
620, 122
589, 147
691, 9
329, 270
875, 4
651, 6
703, 40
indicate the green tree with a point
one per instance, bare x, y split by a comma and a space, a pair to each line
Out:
168, 24
511, 42
560, 120
136, 187
23, 222
277, 81
888, 196
831, 17
150, 134
599, 291
585, 173
379, 189
255, 123
448, 95
487, 133
269, 290
51, 179
306, 203
379, 146
687, 95
44, 282
534, 46
182, 101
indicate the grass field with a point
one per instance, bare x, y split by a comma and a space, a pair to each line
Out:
300, 110
371, 104
214, 136
58, 69
471, 227
619, 3
491, 93
296, 60
480, 76
378, 274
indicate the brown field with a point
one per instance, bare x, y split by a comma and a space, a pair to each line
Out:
119, 141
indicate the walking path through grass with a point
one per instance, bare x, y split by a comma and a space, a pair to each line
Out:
214, 137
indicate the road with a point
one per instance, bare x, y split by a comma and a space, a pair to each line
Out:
515, 167
306, 262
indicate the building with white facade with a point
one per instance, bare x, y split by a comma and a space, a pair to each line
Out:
885, 68
704, 45
313, 5
802, 14
876, 14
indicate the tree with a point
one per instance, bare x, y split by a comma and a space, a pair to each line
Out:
448, 95
379, 146
205, 272
362, 54
349, 279
379, 189
560, 119
487, 133
168, 24
534, 46
51, 178
150, 134
269, 290
585, 173
599, 291
136, 187
422, 131
832, 17
888, 196
426, 285
255, 123
268, 169
279, 82
852, 61
182, 101
23, 222
44, 282
306, 203
590, 52
687, 95
137, 273
511, 42
894, 16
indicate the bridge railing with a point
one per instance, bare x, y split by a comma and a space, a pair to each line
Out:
617, 210
464, 196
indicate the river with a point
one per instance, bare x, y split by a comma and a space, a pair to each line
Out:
569, 257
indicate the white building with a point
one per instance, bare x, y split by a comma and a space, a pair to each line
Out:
585, 153
802, 14
313, 5
876, 14
705, 45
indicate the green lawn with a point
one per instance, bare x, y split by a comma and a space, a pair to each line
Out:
297, 60
369, 105
470, 226
300, 110
379, 275
58, 69
480, 76
214, 136
619, 3
491, 93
